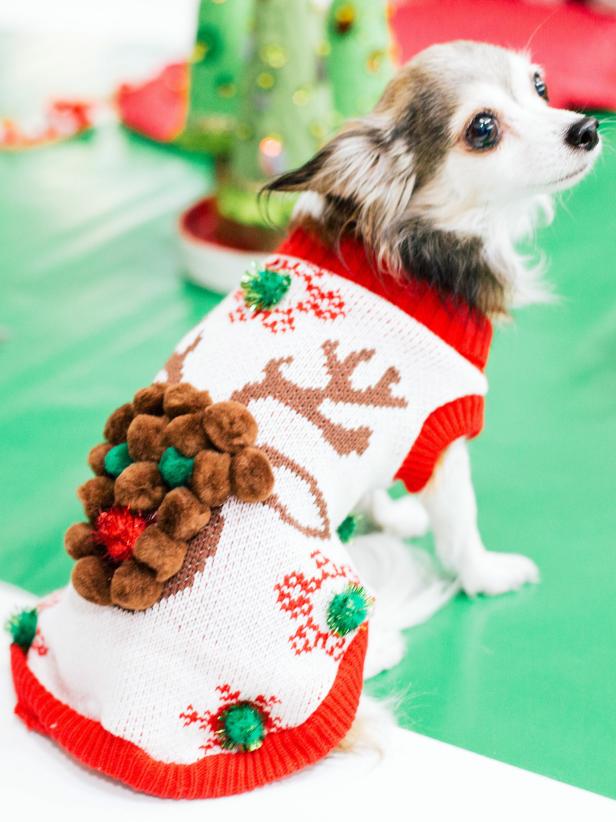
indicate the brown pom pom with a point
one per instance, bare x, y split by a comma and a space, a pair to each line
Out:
135, 587
96, 458
210, 477
91, 579
79, 540
230, 426
181, 515
145, 437
184, 398
139, 487
251, 475
150, 400
186, 434
117, 424
95, 495
160, 552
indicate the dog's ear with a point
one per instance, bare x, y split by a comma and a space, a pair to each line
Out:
354, 165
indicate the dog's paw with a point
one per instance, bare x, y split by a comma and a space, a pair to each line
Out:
492, 573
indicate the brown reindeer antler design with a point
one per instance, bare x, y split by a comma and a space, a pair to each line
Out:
307, 401
175, 364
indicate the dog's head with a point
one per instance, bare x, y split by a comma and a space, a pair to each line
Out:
450, 169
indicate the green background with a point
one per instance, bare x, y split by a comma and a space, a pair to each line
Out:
92, 302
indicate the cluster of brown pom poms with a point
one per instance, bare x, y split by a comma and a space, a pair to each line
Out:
170, 456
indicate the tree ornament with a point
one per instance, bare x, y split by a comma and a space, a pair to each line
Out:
242, 727
175, 468
348, 610
344, 17
117, 459
264, 288
22, 628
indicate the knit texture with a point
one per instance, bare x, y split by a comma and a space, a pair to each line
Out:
350, 377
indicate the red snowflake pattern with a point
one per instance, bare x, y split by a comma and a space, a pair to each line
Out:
295, 595
210, 721
323, 303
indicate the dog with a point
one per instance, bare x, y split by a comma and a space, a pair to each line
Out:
214, 635
459, 161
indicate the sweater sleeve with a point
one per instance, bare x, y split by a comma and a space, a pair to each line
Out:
462, 417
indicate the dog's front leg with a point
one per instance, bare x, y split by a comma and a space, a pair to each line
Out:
452, 508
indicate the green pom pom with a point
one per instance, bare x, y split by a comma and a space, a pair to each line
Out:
176, 469
117, 459
347, 528
263, 289
348, 610
22, 628
242, 728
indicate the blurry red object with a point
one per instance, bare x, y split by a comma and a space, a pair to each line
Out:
575, 44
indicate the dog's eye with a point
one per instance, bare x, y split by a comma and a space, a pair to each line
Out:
540, 86
482, 131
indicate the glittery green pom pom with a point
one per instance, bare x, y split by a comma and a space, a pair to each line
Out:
175, 468
263, 288
347, 528
117, 459
242, 727
22, 628
348, 610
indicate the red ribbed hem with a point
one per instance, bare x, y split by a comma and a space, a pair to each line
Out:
281, 754
461, 418
466, 330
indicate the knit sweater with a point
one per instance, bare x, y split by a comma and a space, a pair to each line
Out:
353, 378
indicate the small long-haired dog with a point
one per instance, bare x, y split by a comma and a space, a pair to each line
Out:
221, 645
457, 163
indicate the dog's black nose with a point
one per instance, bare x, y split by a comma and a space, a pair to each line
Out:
583, 134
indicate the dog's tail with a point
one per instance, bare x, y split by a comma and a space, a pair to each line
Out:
408, 588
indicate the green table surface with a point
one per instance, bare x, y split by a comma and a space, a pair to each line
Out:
92, 300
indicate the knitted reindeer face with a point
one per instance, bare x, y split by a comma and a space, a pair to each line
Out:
453, 166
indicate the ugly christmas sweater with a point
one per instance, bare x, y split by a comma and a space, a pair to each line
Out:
239, 659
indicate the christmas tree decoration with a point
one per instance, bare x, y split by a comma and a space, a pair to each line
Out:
22, 628
361, 59
214, 74
283, 98
348, 610
143, 514
242, 727
264, 288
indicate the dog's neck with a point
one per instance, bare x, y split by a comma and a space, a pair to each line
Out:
466, 253
467, 330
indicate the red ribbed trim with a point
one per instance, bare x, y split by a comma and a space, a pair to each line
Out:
461, 418
466, 330
281, 754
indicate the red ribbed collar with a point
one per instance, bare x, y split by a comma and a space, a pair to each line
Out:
466, 330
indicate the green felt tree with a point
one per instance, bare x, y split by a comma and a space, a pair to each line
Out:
285, 109
360, 61
215, 73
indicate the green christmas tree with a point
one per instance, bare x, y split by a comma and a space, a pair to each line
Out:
215, 74
286, 106
360, 61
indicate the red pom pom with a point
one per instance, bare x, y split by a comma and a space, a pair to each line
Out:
118, 529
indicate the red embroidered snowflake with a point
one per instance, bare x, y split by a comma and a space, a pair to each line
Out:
295, 595
323, 303
211, 721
